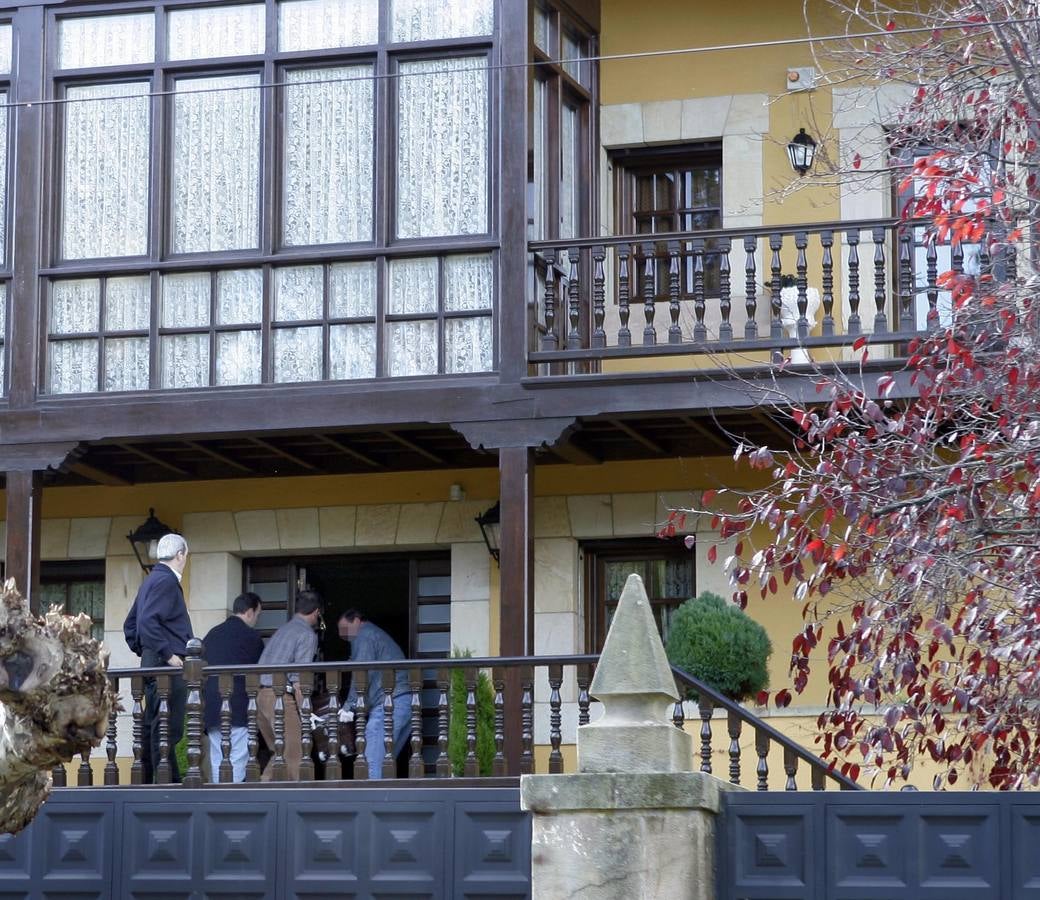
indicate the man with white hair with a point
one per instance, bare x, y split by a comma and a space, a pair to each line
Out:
158, 628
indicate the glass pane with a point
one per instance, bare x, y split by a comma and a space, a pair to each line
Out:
270, 619
413, 286
73, 367
538, 139
128, 303
433, 614
329, 140
442, 147
297, 354
3, 176
271, 592
126, 364
238, 357
75, 306
541, 30
467, 345
185, 300
321, 24
433, 642
433, 586
3, 314
105, 186
82, 596
298, 293
671, 578
428, 20
616, 573
240, 298
216, 31
571, 53
104, 41
52, 595
353, 290
468, 282
568, 178
411, 348
185, 361
352, 352
216, 164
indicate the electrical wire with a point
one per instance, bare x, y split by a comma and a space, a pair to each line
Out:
562, 62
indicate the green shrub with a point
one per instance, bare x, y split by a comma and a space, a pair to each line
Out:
719, 644
485, 697
181, 749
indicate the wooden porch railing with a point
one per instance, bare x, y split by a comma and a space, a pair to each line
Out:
719, 291
513, 680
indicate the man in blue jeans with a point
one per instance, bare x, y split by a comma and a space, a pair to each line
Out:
369, 643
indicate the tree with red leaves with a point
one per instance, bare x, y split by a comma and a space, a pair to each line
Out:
905, 517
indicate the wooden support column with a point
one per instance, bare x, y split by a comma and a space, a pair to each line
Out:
516, 580
22, 562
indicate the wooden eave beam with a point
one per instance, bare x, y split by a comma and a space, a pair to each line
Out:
572, 453
650, 445
99, 476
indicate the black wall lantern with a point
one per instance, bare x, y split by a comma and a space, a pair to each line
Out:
801, 151
145, 537
491, 527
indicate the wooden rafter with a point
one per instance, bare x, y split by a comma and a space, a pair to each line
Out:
343, 447
220, 457
650, 445
98, 476
415, 448
705, 432
156, 460
285, 454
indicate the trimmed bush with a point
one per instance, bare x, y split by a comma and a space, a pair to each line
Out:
485, 697
716, 642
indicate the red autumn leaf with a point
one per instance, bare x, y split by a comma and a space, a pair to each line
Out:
713, 553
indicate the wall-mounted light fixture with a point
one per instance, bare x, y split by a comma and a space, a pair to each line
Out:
145, 537
801, 151
491, 527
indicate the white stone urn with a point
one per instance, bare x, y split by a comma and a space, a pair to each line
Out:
789, 317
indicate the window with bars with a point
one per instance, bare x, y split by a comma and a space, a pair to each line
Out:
667, 571
668, 190
196, 192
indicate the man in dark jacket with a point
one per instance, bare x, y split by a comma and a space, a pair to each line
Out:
158, 624
232, 643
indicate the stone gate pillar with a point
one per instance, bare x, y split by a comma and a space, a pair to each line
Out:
635, 821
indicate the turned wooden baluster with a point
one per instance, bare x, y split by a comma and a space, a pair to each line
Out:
574, 298
725, 305
932, 276
253, 740
817, 779
750, 287
599, 336
443, 760
649, 310
360, 719
852, 238
678, 713
498, 764
776, 328
225, 686
624, 336
1011, 261
306, 734
674, 267
333, 767
389, 762
705, 709
584, 678
906, 281
416, 768
527, 723
733, 725
555, 719
192, 673
550, 340
880, 318
827, 282
700, 332
791, 768
277, 763
162, 766
471, 768
801, 241
111, 769
84, 774
957, 258
137, 729
762, 751
985, 260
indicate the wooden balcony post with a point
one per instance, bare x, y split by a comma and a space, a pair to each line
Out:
22, 562
516, 578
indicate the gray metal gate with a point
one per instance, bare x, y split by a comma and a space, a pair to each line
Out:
880, 846
274, 843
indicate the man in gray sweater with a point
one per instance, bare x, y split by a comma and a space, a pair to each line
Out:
295, 642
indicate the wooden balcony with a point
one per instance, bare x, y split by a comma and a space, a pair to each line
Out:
730, 297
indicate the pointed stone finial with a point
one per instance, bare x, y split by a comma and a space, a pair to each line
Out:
635, 684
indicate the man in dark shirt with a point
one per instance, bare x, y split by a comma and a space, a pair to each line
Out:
159, 626
234, 642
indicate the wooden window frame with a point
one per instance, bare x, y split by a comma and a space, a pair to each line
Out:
598, 552
271, 251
